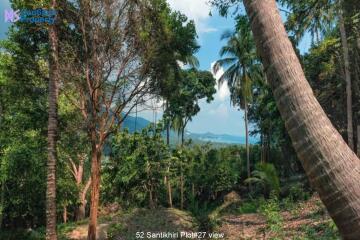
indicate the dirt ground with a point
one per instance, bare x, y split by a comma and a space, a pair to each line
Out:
310, 214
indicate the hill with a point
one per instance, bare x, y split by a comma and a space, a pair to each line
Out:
137, 124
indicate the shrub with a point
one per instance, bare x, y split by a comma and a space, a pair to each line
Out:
248, 207
270, 209
298, 193
265, 176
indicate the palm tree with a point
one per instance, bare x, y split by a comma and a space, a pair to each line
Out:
345, 48
178, 125
52, 132
239, 59
318, 18
332, 167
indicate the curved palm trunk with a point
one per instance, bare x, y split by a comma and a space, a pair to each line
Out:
52, 132
358, 141
332, 167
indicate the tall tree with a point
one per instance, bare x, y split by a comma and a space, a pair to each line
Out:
345, 47
112, 64
176, 50
320, 17
52, 130
241, 68
193, 85
332, 167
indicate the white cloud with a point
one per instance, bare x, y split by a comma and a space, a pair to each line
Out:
181, 64
221, 111
209, 30
197, 10
223, 92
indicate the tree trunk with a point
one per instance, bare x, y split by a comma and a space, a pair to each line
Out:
332, 167
80, 212
95, 187
78, 174
182, 190
345, 47
151, 197
262, 148
182, 136
167, 127
52, 132
169, 194
247, 141
2, 203
169, 190
168, 134
65, 214
358, 140
193, 190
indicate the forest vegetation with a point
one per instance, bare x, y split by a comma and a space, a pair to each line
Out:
72, 167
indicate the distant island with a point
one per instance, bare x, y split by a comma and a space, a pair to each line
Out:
137, 124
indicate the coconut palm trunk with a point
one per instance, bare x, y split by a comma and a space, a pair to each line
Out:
358, 141
332, 167
345, 47
52, 132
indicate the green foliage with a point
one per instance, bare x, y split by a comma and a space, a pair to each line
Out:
24, 179
138, 163
183, 104
240, 63
136, 166
275, 143
266, 176
22, 234
271, 211
328, 230
315, 17
298, 193
114, 230
248, 207
141, 161
324, 70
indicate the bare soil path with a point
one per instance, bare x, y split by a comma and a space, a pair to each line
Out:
308, 218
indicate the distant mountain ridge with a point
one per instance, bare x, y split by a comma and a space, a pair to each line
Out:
131, 123
222, 138
140, 123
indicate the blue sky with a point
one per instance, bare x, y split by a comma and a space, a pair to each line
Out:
217, 117
3, 26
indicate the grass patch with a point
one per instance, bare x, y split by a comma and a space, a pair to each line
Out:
157, 220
